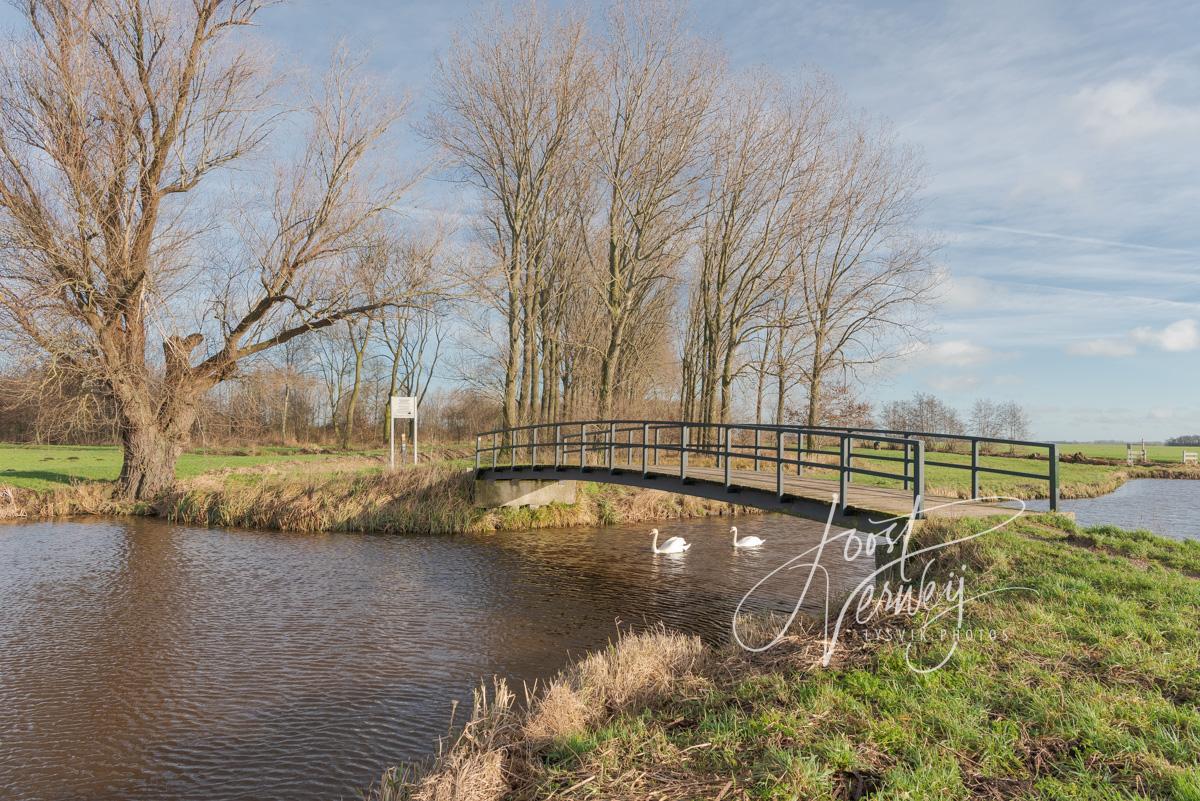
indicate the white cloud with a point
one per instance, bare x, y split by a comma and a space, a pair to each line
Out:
955, 383
1107, 346
1131, 109
1177, 337
957, 353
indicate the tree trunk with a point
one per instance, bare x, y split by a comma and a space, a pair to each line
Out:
150, 455
814, 391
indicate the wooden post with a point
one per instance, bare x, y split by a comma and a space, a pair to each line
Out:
756, 433
478, 442
683, 442
1053, 477
557, 446
843, 473
919, 479
645, 437
849, 459
612, 447
778, 464
725, 455
974, 469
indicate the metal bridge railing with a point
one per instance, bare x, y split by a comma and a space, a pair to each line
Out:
650, 445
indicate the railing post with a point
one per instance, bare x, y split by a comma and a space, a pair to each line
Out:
725, 455
919, 479
849, 459
843, 473
974, 469
683, 443
582, 447
532, 448
645, 437
512, 450
478, 442
756, 433
907, 462
495, 450
612, 446
778, 464
557, 446
656, 446
629, 447
1053, 476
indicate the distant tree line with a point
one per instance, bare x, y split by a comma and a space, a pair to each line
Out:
987, 418
1186, 439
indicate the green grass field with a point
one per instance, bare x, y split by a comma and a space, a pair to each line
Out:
1167, 454
47, 466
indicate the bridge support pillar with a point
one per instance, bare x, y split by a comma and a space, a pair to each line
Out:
531, 492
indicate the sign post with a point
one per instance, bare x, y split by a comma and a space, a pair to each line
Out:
401, 408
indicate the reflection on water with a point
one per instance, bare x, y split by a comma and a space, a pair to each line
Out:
1165, 506
141, 661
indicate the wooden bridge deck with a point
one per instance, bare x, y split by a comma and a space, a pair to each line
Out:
804, 496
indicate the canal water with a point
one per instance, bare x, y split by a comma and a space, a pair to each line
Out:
140, 660
1170, 507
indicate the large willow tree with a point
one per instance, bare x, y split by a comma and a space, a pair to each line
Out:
121, 264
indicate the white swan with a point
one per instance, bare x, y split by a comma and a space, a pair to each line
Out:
673, 545
744, 542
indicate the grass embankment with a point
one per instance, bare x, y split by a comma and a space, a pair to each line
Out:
290, 491
430, 499
1089, 690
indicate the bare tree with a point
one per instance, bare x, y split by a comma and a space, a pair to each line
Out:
510, 102
864, 267
986, 419
1014, 421
113, 114
759, 157
646, 133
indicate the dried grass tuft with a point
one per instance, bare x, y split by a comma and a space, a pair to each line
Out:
493, 752
84, 498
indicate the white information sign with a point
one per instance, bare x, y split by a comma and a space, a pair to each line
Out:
401, 408
404, 408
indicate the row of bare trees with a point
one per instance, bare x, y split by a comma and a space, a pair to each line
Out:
649, 231
620, 167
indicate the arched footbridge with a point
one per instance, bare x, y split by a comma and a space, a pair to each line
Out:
869, 474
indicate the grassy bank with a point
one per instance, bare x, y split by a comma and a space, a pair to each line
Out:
437, 499
1089, 690
354, 494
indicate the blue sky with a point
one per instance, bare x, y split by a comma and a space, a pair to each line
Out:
1064, 176
1063, 150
